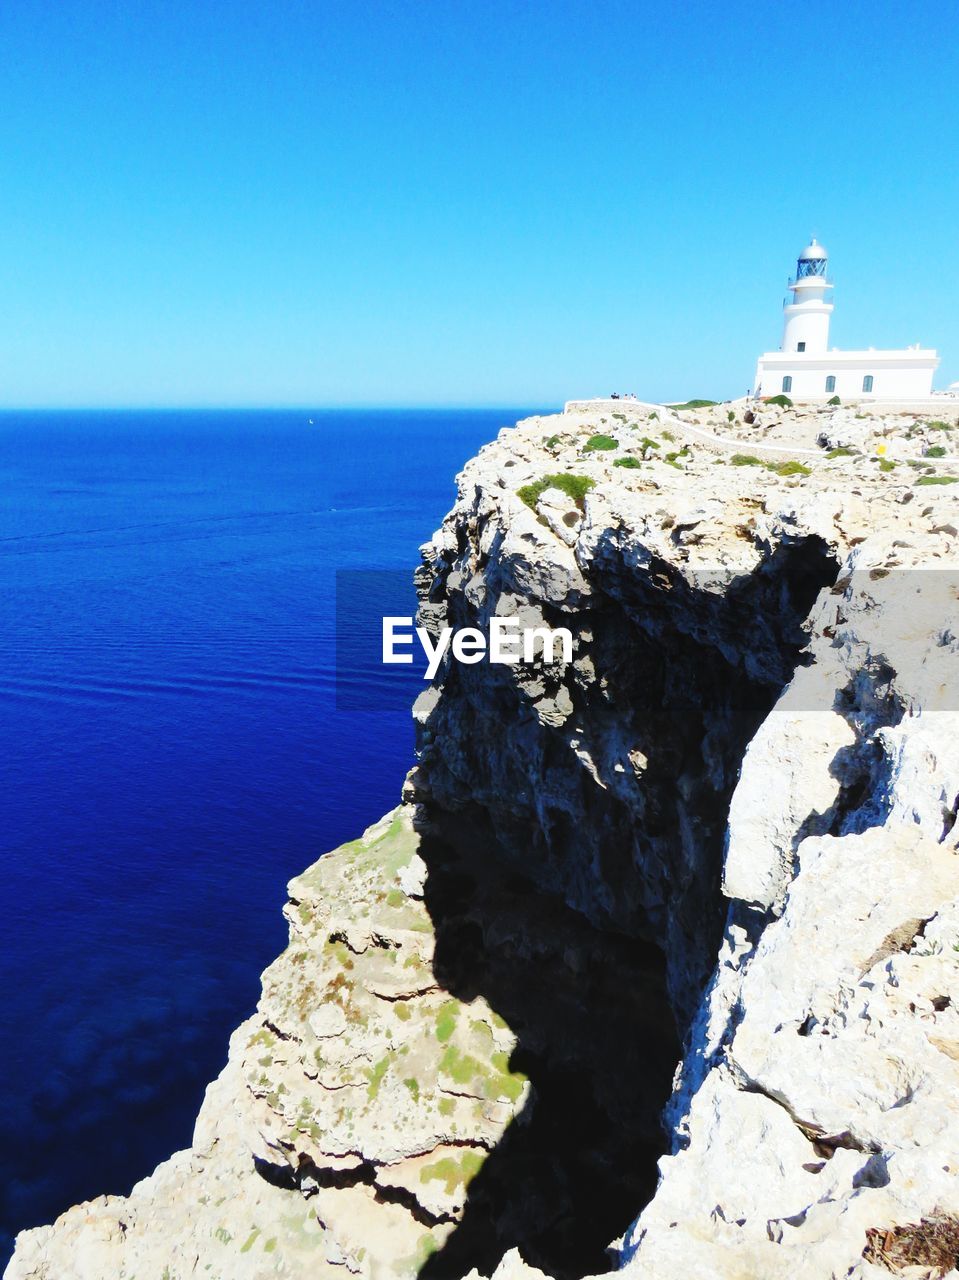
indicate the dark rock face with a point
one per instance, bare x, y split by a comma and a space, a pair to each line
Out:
595, 1037
608, 781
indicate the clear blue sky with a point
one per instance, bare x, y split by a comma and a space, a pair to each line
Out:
461, 202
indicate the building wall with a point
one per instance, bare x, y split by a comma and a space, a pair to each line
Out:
897, 375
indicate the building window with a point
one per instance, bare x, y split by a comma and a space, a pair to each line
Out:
831, 383
800, 346
787, 383
867, 382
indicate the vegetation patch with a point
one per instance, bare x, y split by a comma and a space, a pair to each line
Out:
932, 1243
414, 1087
599, 443
506, 1083
694, 404
790, 468
336, 947
784, 402
886, 465
460, 1067
842, 452
938, 480
575, 487
452, 1172
482, 1032
834, 400
446, 1021
629, 461
427, 1246
551, 442
377, 1074
936, 451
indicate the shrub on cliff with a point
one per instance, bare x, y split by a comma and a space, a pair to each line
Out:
783, 401
694, 404
600, 442
627, 462
575, 487
790, 468
671, 458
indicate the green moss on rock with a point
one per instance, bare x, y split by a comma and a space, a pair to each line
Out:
446, 1020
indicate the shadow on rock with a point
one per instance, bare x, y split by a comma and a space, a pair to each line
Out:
595, 1037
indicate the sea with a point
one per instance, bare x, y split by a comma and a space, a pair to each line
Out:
172, 746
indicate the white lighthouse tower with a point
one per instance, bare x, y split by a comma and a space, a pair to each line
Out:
806, 369
806, 317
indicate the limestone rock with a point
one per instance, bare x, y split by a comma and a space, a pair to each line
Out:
357, 1077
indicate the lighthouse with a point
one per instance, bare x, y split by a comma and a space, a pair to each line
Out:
806, 368
806, 315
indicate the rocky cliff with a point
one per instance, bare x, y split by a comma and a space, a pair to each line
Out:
657, 964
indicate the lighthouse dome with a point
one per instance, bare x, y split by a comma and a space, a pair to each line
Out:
813, 252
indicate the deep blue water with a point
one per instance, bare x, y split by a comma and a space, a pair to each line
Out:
170, 746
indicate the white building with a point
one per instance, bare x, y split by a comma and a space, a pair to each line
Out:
804, 368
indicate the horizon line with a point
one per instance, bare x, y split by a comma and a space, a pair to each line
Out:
274, 407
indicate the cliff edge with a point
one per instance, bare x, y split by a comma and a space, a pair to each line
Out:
656, 965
